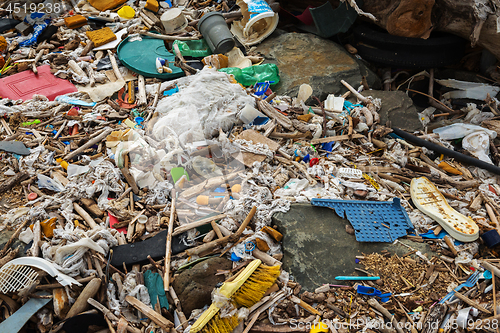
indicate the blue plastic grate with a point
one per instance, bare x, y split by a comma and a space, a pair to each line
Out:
373, 221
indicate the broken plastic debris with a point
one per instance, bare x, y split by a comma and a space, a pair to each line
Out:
478, 144
16, 274
373, 221
15, 147
258, 22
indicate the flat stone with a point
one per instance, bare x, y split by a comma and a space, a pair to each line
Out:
397, 108
307, 58
317, 247
194, 286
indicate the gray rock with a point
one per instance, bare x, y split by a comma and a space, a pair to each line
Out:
194, 286
317, 248
398, 108
307, 58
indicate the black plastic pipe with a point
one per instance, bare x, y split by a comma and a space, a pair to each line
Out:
445, 151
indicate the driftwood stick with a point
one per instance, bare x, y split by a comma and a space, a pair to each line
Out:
83, 213
37, 58
231, 238
115, 66
11, 182
196, 224
75, 68
58, 285
272, 113
9, 256
14, 237
161, 321
355, 93
89, 144
377, 306
169, 38
471, 302
87, 48
141, 96
81, 304
178, 308
168, 250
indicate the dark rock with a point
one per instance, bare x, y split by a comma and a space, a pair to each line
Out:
194, 286
397, 108
321, 63
317, 248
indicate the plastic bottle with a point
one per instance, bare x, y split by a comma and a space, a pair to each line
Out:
193, 48
251, 75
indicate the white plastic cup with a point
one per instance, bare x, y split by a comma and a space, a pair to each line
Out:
142, 219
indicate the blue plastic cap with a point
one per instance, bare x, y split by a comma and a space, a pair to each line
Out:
234, 257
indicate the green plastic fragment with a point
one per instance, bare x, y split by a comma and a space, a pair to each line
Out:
193, 48
249, 76
154, 283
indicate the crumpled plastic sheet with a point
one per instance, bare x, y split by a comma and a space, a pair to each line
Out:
205, 103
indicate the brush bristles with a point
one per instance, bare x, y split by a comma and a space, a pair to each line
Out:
220, 325
256, 286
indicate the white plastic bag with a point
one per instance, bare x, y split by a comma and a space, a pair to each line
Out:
478, 144
457, 131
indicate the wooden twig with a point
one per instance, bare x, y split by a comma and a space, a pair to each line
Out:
81, 304
196, 224
168, 250
471, 302
161, 321
232, 238
37, 58
89, 144
14, 237
178, 308
116, 70
83, 213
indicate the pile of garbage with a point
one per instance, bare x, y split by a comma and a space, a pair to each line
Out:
142, 151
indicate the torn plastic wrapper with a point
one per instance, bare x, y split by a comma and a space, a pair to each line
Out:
469, 90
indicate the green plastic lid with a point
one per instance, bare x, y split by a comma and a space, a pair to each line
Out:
140, 57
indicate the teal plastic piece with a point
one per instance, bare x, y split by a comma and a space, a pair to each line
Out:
140, 57
357, 278
19, 318
249, 76
154, 283
194, 48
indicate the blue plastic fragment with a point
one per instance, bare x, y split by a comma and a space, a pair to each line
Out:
369, 291
328, 146
395, 136
171, 91
373, 221
430, 235
234, 257
261, 87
